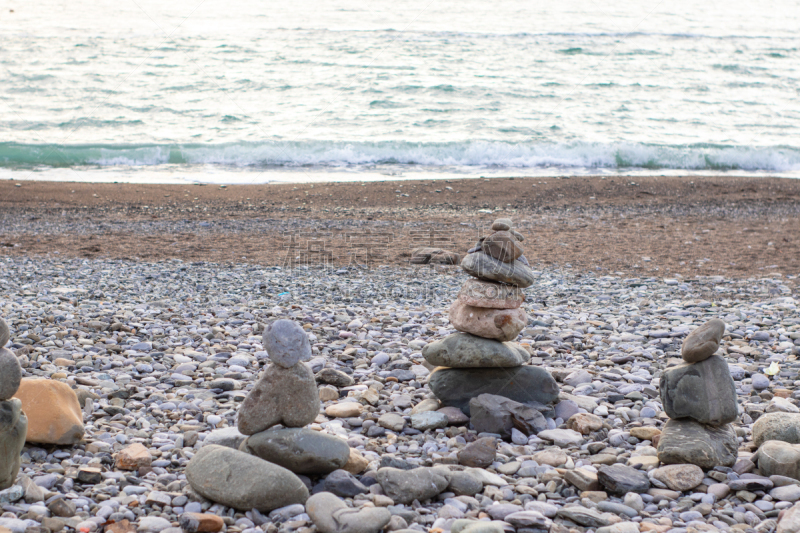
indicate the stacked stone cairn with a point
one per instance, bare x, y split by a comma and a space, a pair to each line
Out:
482, 371
13, 422
700, 399
275, 446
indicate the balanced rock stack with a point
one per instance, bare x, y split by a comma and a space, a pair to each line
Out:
481, 362
269, 458
700, 399
13, 422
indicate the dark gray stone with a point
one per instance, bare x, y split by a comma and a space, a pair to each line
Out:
405, 486
689, 442
702, 391
620, 479
331, 376
344, 484
525, 384
496, 414
485, 267
303, 451
478, 454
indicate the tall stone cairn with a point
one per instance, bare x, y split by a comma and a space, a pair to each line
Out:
481, 367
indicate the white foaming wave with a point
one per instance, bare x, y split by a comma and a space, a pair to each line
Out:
494, 154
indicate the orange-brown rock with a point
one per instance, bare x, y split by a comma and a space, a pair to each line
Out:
201, 523
54, 414
133, 457
123, 526
357, 463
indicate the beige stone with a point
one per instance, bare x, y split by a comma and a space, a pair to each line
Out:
133, 457
357, 463
344, 410
54, 414
584, 423
498, 324
645, 433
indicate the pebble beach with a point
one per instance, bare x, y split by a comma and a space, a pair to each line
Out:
162, 355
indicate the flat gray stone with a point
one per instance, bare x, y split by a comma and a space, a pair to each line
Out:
243, 481
303, 451
331, 515
405, 486
482, 266
229, 437
563, 438
463, 350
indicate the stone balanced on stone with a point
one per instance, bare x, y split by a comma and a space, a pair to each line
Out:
13, 422
700, 399
484, 371
286, 394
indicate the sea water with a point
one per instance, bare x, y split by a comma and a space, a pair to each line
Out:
243, 91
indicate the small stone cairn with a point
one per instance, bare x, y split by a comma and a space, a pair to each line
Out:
483, 370
13, 422
261, 474
700, 399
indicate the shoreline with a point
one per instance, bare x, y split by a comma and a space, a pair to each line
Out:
643, 226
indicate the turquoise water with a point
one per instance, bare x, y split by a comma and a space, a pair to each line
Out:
247, 91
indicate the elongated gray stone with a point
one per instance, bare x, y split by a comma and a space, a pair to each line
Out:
482, 266
688, 442
13, 428
525, 384
303, 451
702, 391
463, 350
243, 481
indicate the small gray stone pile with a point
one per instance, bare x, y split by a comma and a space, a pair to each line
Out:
700, 399
13, 422
485, 375
277, 446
